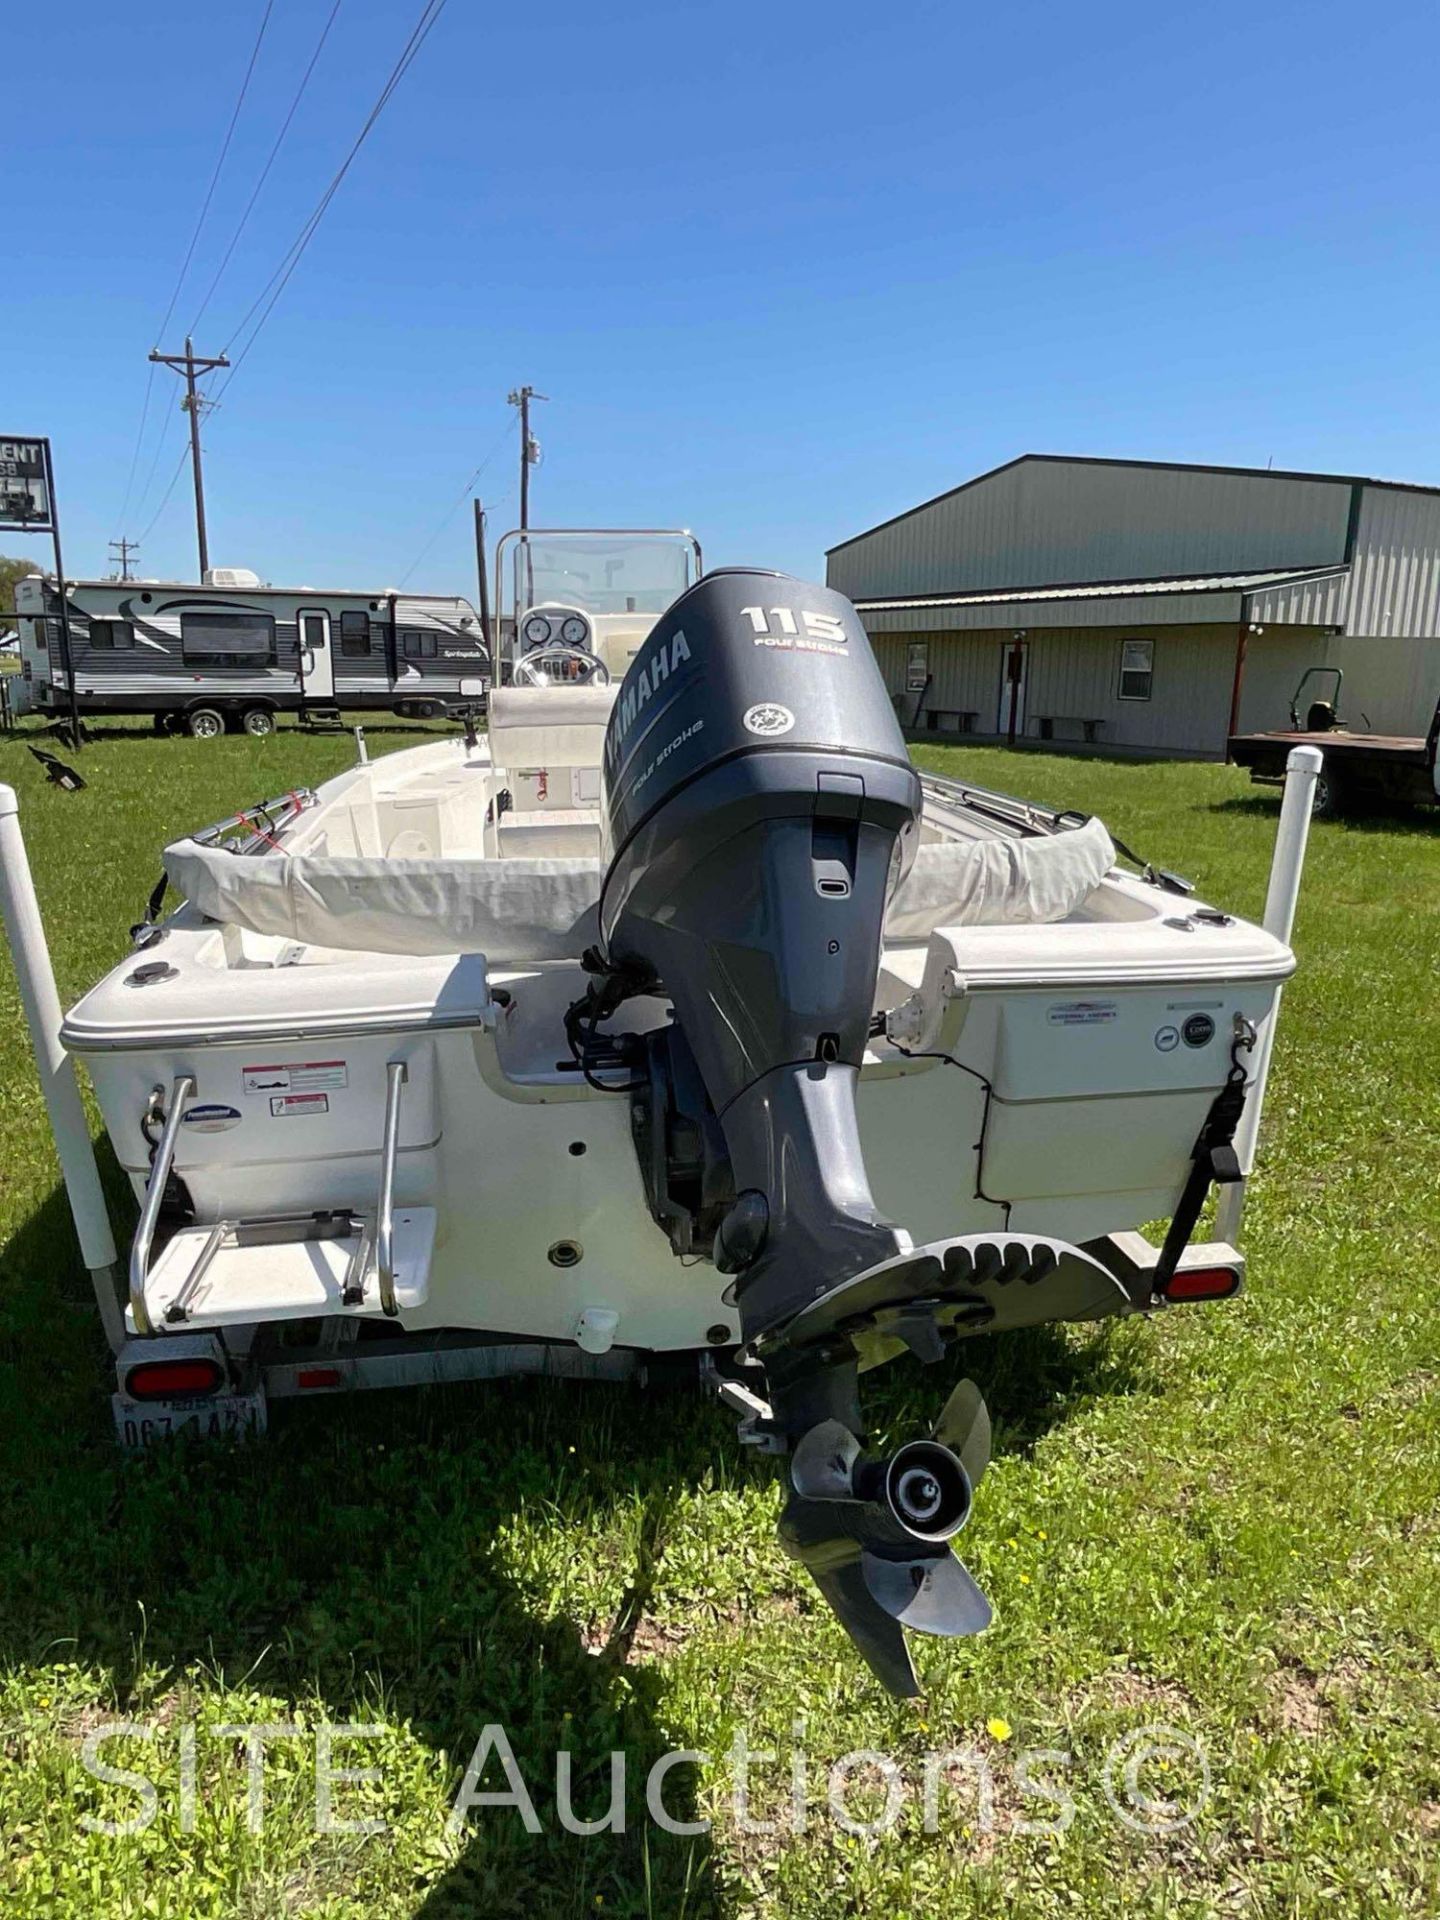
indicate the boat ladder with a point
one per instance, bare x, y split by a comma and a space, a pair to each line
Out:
280, 1266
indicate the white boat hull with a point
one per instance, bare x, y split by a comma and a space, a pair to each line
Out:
1082, 1060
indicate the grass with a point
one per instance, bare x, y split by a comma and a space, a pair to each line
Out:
1226, 1522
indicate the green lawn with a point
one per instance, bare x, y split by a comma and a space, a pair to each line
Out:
1225, 1522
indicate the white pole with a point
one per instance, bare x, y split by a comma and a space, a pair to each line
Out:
362, 752
41, 1001
1302, 769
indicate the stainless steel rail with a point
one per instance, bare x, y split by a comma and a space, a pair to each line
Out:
264, 820
396, 1074
160, 1167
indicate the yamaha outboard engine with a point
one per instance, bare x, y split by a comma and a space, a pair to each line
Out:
760, 808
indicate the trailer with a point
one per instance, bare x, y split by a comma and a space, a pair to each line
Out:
1360, 768
233, 654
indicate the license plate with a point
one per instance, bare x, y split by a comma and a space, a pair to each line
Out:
225, 1416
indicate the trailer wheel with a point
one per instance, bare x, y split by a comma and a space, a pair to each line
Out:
1328, 800
259, 722
205, 723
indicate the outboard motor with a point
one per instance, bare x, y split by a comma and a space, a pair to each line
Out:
760, 807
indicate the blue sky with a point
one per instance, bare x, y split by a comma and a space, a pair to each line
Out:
784, 269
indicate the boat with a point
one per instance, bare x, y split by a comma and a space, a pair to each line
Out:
676, 1019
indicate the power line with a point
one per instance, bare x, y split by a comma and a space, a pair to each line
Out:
165, 497
144, 493
429, 13
127, 549
269, 163
185, 268
454, 508
219, 164
139, 442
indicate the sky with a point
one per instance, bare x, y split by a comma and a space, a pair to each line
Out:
783, 270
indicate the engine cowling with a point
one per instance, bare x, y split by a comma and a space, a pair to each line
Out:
760, 805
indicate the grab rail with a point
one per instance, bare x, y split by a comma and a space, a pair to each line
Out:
265, 819
160, 1167
396, 1074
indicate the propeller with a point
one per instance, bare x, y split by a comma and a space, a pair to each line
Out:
874, 1533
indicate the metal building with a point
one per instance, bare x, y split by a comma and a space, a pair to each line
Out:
1150, 606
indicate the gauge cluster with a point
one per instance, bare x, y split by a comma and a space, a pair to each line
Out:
556, 627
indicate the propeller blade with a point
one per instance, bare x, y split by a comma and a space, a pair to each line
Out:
877, 1634
964, 1427
823, 1462
936, 1594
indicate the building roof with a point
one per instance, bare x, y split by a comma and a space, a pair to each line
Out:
1161, 466
1107, 589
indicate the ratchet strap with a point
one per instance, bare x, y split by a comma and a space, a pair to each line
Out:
1213, 1159
143, 932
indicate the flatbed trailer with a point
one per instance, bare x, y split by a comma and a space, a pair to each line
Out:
1359, 768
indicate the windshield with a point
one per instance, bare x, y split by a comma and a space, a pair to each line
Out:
599, 572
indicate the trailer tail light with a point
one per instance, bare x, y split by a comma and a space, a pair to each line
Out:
174, 1379
1202, 1283
318, 1379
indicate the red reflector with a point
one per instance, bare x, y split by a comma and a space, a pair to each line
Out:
319, 1377
1203, 1283
173, 1379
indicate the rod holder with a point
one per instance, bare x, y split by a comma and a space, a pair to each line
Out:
41, 1001
1302, 770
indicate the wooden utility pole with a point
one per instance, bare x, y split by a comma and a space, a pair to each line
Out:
189, 363
529, 448
127, 548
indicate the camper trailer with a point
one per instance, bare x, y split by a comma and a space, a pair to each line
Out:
232, 654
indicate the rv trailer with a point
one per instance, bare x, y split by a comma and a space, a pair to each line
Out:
233, 654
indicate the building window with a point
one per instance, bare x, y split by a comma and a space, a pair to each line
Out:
416, 645
228, 639
917, 666
111, 634
1137, 669
355, 636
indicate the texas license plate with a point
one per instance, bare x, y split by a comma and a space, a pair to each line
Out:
225, 1416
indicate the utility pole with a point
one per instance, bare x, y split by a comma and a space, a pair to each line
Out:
127, 547
189, 363
529, 447
483, 575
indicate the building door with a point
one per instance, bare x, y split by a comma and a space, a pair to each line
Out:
1010, 708
317, 662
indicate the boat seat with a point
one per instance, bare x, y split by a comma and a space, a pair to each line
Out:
549, 726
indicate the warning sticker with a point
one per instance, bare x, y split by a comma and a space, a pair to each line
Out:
296, 1076
286, 1106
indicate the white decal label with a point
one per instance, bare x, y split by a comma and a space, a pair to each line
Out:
296, 1076
210, 1118
1082, 1013
289, 1106
769, 719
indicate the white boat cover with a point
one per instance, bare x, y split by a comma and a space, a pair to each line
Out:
518, 910
999, 883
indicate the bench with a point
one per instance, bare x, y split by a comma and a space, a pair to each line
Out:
1047, 723
963, 717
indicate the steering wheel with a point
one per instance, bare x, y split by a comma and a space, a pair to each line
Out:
596, 674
